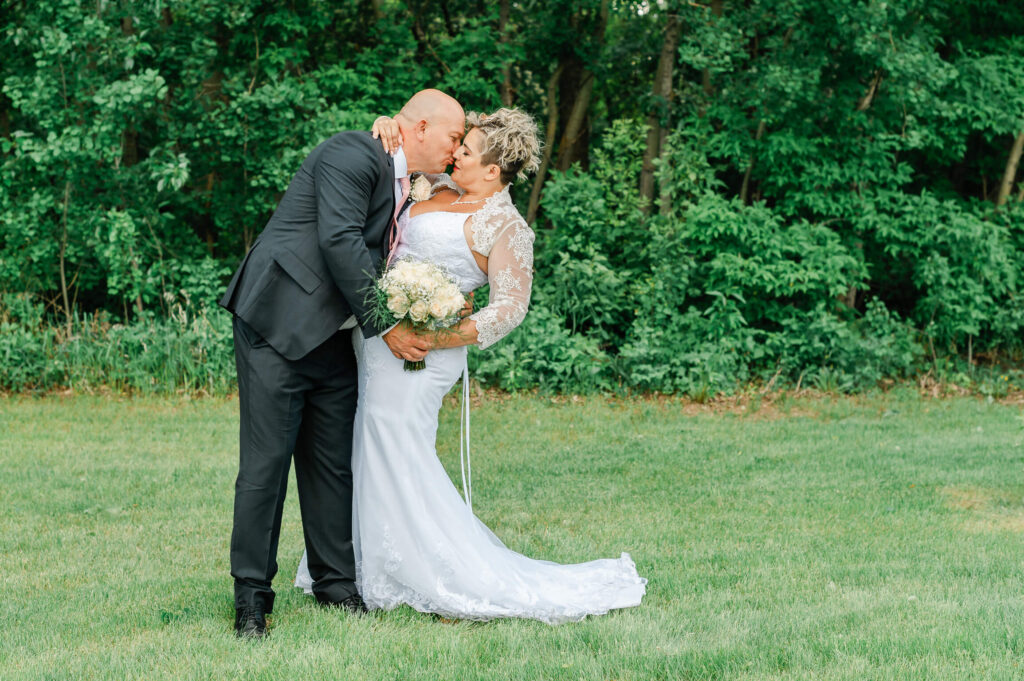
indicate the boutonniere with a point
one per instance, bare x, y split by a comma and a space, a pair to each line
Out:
420, 189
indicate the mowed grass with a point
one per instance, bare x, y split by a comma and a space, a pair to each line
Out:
855, 538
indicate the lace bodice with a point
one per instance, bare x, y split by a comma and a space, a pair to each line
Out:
500, 234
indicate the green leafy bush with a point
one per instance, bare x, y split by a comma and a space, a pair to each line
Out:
26, 346
828, 205
543, 354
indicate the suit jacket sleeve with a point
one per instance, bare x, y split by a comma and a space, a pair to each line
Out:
344, 184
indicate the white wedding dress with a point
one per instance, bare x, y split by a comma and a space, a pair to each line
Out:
416, 539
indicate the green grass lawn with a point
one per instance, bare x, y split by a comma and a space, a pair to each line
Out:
854, 538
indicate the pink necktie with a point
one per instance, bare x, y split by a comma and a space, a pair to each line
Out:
395, 229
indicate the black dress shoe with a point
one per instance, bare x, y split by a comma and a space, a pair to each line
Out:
250, 622
353, 604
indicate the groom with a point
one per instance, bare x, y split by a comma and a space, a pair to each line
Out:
296, 296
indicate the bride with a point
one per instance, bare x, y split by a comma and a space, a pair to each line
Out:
416, 541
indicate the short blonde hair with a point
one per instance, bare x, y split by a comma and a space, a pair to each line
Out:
510, 141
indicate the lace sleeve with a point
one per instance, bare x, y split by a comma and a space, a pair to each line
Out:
510, 274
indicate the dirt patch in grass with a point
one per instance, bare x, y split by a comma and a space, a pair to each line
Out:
967, 498
990, 510
770, 405
754, 403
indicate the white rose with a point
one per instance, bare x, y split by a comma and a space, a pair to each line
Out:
419, 311
420, 189
456, 302
398, 304
402, 269
426, 283
410, 272
438, 310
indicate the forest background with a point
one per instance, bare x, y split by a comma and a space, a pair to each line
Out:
792, 192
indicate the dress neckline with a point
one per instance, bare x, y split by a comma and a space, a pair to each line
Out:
462, 236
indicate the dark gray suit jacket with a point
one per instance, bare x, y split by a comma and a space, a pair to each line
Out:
313, 263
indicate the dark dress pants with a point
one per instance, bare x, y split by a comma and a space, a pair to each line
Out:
304, 407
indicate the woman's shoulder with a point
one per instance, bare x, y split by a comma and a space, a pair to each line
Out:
440, 182
500, 212
497, 218
445, 195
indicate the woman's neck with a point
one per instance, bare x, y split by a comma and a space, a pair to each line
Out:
479, 191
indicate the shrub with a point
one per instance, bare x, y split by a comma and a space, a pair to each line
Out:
188, 351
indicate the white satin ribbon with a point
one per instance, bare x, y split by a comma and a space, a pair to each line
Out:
467, 465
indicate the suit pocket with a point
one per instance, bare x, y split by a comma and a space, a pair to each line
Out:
300, 273
249, 335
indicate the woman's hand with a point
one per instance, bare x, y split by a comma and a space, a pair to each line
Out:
467, 309
386, 129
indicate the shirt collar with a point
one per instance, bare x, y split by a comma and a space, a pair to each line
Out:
401, 164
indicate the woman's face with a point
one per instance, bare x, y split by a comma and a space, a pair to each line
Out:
469, 168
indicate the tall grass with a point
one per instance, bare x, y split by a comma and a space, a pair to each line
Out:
188, 349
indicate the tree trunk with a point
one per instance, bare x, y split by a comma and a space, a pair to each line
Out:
869, 96
129, 137
129, 147
572, 75
549, 134
579, 79
423, 42
761, 127
716, 10
662, 98
745, 190
506, 65
574, 126
1011, 169
5, 117
448, 25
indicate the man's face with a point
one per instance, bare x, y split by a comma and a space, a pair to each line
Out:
440, 139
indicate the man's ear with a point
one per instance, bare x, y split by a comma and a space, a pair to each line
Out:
421, 129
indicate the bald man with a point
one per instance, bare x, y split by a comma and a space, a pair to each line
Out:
295, 298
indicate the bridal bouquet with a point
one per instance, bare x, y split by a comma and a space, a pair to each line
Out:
422, 293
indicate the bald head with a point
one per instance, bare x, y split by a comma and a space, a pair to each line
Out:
432, 124
431, 104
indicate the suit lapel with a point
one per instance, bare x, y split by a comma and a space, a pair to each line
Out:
389, 177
